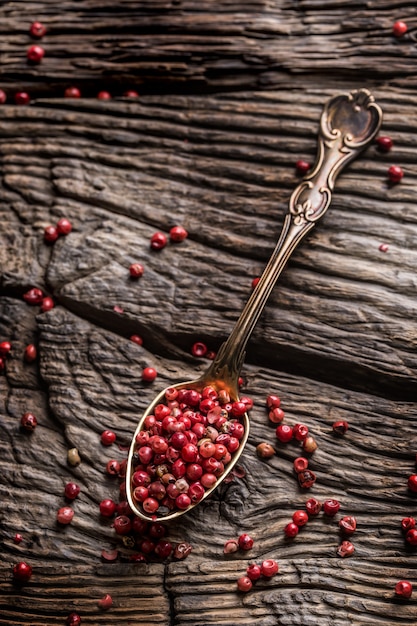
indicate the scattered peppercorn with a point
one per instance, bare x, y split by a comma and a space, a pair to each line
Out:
3, 96
131, 93
47, 304
106, 602
177, 234
331, 507
136, 339
291, 530
35, 54
64, 515
73, 619
346, 548
340, 427
265, 450
347, 525
199, 349
64, 226
107, 437
384, 143
5, 348
21, 98
33, 296
22, 572
149, 374
404, 589
309, 445
313, 506
245, 542
104, 95
37, 30
306, 479
158, 241
136, 270
302, 167
244, 584
395, 174
73, 457
399, 28
72, 92
231, 546
71, 491
28, 422
412, 483
30, 353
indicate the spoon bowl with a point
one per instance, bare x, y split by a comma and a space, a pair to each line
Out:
349, 123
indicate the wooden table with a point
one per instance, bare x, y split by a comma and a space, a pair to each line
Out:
231, 96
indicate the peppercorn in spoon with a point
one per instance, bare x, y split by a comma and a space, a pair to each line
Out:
193, 433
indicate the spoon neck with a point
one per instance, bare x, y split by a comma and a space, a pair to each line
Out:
229, 360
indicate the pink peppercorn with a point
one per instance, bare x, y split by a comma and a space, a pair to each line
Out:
35, 54
22, 98
136, 339
37, 30
276, 415
231, 546
71, 491
340, 427
291, 530
331, 507
136, 270
22, 572
313, 506
244, 584
33, 296
302, 167
245, 542
254, 571
47, 304
399, 28
30, 353
347, 525
64, 515
72, 92
411, 537
284, 433
104, 95
407, 523
395, 174
149, 374
50, 234
346, 548
404, 589
5, 348
384, 143
106, 602
107, 437
269, 568
3, 96
131, 93
158, 241
177, 234
412, 483
73, 619
300, 518
199, 349
64, 226
28, 422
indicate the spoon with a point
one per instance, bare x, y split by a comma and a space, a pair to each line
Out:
348, 124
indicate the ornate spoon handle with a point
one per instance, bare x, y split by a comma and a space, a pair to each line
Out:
348, 124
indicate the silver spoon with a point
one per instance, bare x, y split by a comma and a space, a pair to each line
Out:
349, 123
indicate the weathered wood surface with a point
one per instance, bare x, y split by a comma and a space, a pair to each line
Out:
337, 340
218, 44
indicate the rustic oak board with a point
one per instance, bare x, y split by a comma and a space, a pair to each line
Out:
212, 45
337, 340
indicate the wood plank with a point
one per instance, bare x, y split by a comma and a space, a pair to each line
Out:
217, 45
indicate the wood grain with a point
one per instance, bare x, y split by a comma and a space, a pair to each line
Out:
231, 99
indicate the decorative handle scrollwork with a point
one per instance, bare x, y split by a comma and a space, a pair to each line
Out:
348, 125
